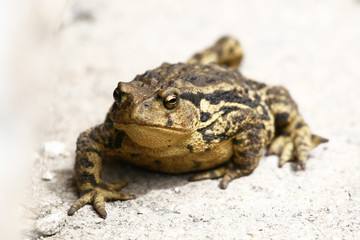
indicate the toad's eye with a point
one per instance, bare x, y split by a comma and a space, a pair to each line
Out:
117, 95
171, 101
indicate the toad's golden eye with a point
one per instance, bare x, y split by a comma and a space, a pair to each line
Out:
171, 101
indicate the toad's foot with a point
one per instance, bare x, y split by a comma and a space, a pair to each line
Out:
98, 195
295, 146
227, 172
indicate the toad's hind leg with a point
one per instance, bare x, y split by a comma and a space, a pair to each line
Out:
294, 143
248, 148
294, 138
226, 51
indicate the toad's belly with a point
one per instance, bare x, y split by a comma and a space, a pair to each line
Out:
181, 161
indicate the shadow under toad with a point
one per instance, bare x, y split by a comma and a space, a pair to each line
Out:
140, 181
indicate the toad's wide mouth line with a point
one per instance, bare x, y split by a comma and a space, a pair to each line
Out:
124, 126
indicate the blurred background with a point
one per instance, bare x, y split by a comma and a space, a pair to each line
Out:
60, 61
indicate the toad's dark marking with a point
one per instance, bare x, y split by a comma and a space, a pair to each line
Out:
197, 164
85, 192
281, 119
92, 150
154, 75
204, 116
255, 85
265, 115
238, 141
190, 148
108, 124
83, 162
194, 98
302, 144
273, 91
244, 166
169, 120
241, 154
190, 78
227, 109
86, 177
157, 162
118, 140
227, 128
101, 185
299, 125
213, 174
96, 135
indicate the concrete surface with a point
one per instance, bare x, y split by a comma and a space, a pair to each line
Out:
311, 47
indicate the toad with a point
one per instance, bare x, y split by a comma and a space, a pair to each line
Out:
201, 116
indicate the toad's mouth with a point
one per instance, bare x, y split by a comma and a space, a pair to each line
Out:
152, 136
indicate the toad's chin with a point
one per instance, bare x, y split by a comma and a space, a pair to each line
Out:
152, 136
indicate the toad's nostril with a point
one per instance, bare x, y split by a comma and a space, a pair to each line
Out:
146, 105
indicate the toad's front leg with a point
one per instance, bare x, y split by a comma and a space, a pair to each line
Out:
88, 163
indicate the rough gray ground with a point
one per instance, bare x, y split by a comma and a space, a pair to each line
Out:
310, 47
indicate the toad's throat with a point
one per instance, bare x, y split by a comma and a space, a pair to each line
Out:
152, 136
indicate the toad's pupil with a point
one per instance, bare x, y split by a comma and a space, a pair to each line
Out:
171, 99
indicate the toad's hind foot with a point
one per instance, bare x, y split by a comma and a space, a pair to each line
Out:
295, 146
97, 196
226, 51
228, 173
